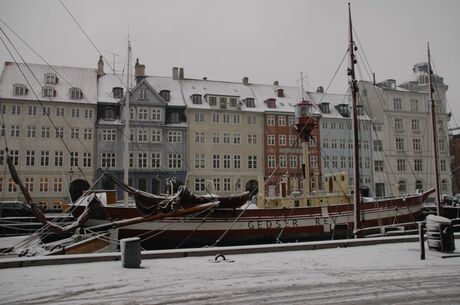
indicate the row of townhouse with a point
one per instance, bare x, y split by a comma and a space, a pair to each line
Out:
64, 127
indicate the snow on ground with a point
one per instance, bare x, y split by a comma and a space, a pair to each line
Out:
381, 274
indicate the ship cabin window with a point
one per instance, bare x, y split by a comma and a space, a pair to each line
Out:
196, 99
166, 95
117, 92
250, 102
271, 103
51, 79
76, 94
19, 89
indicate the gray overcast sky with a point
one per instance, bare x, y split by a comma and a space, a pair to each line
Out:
265, 40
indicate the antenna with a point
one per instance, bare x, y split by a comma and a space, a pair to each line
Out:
113, 55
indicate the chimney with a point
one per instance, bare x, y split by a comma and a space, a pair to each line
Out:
280, 92
175, 73
181, 73
320, 89
100, 67
245, 81
276, 83
139, 71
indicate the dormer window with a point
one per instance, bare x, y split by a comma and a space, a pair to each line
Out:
19, 90
212, 101
250, 102
359, 110
343, 110
280, 92
76, 94
165, 94
324, 107
233, 102
223, 103
48, 91
196, 99
271, 103
109, 114
117, 92
51, 79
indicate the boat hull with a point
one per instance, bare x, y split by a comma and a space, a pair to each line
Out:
224, 227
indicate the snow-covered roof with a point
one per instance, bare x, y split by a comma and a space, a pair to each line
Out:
285, 103
105, 85
84, 79
159, 84
333, 99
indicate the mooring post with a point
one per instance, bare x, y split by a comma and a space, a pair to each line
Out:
422, 240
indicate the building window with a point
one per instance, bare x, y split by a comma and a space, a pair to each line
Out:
175, 161
143, 94
397, 105
87, 134
236, 138
416, 144
216, 183
270, 139
142, 114
418, 185
282, 140
108, 160
443, 165
444, 186
378, 165
32, 110
30, 158
415, 125
402, 187
117, 92
48, 91
252, 139
166, 95
11, 185
312, 141
199, 137
57, 184
88, 114
142, 135
16, 109
75, 133
252, 162
87, 159
31, 131
283, 161
196, 99
215, 138
58, 158
226, 161
215, 117
215, 161
270, 120
109, 134
199, 117
51, 78
418, 165
414, 105
44, 158
236, 119
76, 94
236, 161
281, 120
226, 118
314, 161
223, 103
378, 145
199, 161
293, 161
233, 102
251, 119
43, 184
226, 184
199, 184
271, 161
442, 145
398, 124
155, 135
155, 159
29, 184
292, 141
19, 90
400, 144
156, 114
175, 136
142, 160
75, 112
46, 111
250, 102
212, 101
60, 111
401, 165
73, 158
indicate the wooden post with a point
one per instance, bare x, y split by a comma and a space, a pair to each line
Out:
422, 240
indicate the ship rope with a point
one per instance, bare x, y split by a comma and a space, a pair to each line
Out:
278, 238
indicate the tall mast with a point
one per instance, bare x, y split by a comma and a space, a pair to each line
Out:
354, 90
435, 134
126, 131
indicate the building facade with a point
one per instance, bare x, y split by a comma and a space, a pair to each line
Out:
403, 138
48, 125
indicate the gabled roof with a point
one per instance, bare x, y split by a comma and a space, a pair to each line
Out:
68, 77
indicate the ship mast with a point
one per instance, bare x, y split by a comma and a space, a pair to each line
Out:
435, 134
354, 90
126, 130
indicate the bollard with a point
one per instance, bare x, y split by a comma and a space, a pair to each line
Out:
439, 233
422, 240
130, 252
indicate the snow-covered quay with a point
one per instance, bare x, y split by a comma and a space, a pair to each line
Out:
379, 274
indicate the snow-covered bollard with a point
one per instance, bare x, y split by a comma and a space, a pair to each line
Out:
130, 252
439, 233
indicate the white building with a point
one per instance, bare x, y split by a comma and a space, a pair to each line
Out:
403, 141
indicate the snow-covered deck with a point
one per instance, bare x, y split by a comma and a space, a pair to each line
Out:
377, 274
